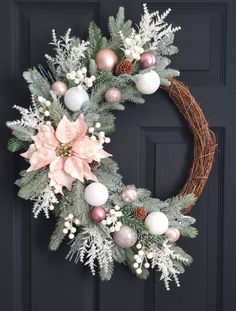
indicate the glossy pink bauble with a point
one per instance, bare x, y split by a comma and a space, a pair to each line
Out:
59, 88
173, 234
126, 237
98, 213
147, 60
129, 194
106, 59
113, 95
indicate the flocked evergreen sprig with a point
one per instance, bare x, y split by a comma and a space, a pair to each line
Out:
63, 136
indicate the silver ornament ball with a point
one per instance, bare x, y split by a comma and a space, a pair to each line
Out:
126, 237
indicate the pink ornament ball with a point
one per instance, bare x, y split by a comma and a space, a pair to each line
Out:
59, 88
147, 60
129, 194
113, 95
98, 213
173, 234
106, 59
126, 237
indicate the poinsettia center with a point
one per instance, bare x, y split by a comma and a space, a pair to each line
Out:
64, 150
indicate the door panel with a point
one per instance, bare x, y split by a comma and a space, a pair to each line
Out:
158, 148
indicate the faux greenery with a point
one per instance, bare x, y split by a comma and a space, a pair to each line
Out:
92, 243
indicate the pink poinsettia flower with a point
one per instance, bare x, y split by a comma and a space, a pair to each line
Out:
67, 150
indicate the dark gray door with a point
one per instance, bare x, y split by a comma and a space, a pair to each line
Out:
158, 153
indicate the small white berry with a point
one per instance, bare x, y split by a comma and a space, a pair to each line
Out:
77, 81
139, 271
40, 99
65, 231
112, 229
136, 256
51, 207
147, 265
117, 228
41, 109
84, 69
70, 216
93, 78
119, 223
93, 137
107, 140
139, 246
48, 103
141, 253
138, 260
117, 207
149, 255
135, 265
68, 76
80, 87
91, 129
104, 222
47, 113
71, 236
48, 123
101, 134
112, 211
76, 221
73, 230
97, 125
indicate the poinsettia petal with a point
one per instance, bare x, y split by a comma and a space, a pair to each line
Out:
45, 137
87, 172
28, 154
101, 154
66, 131
74, 167
41, 158
86, 147
58, 174
81, 127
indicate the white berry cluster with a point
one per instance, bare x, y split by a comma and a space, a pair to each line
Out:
141, 259
70, 220
112, 219
101, 135
80, 78
44, 105
132, 48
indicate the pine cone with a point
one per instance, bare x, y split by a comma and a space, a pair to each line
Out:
140, 213
94, 164
124, 67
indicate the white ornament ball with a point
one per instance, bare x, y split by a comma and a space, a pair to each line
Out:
96, 194
148, 83
157, 223
75, 98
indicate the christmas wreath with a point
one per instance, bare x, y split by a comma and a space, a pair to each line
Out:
70, 175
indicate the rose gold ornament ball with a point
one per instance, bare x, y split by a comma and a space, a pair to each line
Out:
106, 59
59, 88
98, 213
173, 234
147, 60
129, 194
113, 95
126, 237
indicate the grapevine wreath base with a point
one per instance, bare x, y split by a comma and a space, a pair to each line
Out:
62, 135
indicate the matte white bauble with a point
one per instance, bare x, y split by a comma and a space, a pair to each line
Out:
157, 223
75, 98
148, 82
96, 194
